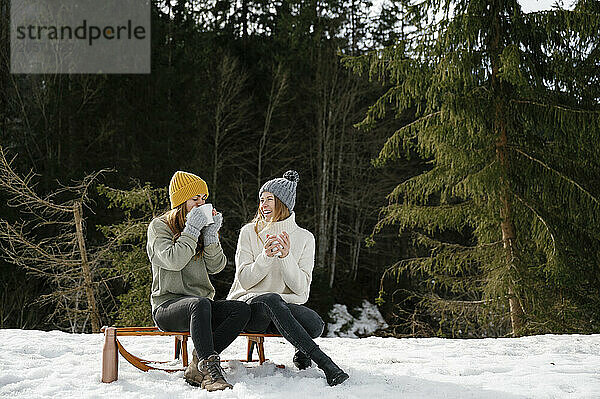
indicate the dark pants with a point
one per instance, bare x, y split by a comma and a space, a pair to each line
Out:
213, 325
297, 323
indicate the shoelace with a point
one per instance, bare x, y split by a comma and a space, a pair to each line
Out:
213, 364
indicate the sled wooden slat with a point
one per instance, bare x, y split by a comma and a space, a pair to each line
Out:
112, 348
147, 332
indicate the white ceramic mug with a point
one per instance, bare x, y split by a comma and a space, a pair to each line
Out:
207, 210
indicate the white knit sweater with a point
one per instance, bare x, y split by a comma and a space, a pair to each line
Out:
257, 274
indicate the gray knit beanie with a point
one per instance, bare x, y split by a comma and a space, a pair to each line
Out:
283, 188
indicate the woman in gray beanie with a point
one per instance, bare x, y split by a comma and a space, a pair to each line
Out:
274, 262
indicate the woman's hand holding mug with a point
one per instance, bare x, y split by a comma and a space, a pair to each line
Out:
284, 241
277, 245
271, 246
210, 231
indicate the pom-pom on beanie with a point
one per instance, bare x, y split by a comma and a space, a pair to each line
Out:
184, 186
283, 188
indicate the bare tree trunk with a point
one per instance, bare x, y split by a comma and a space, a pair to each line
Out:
244, 18
229, 111
215, 162
353, 46
217, 137
334, 246
327, 140
336, 199
508, 237
506, 224
337, 98
4, 61
261, 146
324, 184
509, 241
508, 228
89, 288
356, 246
172, 43
278, 86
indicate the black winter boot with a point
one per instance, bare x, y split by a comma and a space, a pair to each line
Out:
301, 360
333, 373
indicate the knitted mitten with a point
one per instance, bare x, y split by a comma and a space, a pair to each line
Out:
194, 222
210, 232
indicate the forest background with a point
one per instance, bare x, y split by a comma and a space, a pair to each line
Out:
241, 91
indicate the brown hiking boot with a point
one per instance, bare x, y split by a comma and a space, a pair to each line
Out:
212, 373
191, 374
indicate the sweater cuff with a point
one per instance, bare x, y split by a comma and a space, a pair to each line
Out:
212, 249
186, 236
289, 260
262, 260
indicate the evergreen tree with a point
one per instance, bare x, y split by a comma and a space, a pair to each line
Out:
390, 24
508, 121
126, 250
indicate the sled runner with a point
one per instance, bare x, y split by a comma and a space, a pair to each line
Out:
112, 347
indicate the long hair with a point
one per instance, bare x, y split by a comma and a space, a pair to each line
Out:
175, 219
280, 212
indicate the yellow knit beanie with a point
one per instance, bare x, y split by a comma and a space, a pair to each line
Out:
184, 186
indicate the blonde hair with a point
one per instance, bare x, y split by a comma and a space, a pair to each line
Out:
175, 219
280, 212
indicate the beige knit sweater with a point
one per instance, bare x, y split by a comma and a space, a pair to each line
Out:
257, 274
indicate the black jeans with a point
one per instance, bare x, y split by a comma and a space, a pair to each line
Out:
297, 323
213, 325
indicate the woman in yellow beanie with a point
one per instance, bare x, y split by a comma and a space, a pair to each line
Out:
184, 248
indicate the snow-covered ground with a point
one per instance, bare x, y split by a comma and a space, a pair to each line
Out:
36, 364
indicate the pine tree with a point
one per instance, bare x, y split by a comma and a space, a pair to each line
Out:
508, 120
390, 24
125, 250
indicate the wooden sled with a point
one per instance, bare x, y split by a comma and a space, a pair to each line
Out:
112, 347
